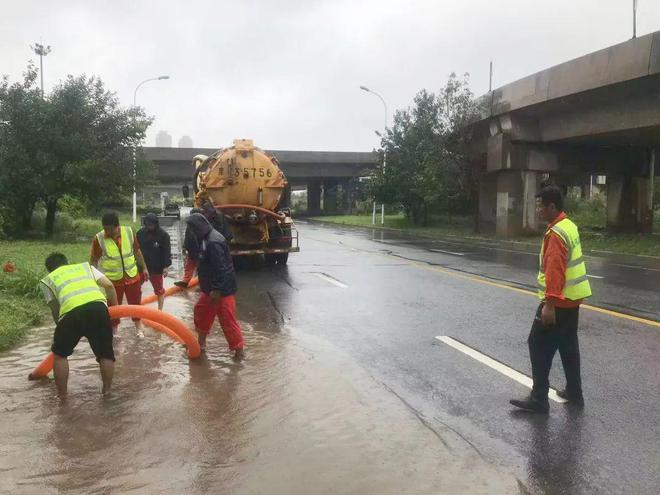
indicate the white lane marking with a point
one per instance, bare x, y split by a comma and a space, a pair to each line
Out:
331, 280
496, 365
635, 267
447, 252
595, 276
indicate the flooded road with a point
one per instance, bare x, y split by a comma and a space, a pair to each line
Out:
297, 416
346, 389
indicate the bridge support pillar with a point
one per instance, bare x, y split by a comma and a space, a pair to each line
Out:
330, 196
511, 198
630, 198
349, 186
285, 201
507, 196
314, 197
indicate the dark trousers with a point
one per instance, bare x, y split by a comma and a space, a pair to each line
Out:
544, 342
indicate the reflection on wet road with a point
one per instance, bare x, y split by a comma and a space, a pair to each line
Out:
345, 390
297, 416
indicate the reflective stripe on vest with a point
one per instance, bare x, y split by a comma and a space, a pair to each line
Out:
577, 285
113, 263
73, 286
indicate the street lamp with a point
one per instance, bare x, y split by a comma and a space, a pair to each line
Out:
42, 51
382, 206
159, 78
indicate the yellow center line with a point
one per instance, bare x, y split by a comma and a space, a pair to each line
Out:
476, 278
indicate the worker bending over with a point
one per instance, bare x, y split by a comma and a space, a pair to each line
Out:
78, 297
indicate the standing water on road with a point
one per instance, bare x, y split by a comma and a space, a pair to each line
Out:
297, 416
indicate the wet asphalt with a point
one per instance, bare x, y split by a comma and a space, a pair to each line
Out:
384, 297
345, 388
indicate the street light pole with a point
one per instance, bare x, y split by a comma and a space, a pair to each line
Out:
42, 51
382, 206
159, 78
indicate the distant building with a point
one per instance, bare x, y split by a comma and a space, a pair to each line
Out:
163, 139
185, 142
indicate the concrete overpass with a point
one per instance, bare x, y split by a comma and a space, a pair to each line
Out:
329, 176
596, 115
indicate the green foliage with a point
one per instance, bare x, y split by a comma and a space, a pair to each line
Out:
587, 213
73, 206
459, 227
75, 143
17, 315
23, 282
427, 169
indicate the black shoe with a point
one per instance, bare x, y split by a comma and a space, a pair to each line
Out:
181, 283
576, 400
531, 405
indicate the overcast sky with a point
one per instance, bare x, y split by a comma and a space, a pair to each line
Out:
287, 73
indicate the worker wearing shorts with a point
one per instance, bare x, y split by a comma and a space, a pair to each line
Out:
77, 295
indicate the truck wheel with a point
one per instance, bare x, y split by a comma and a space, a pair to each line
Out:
282, 258
270, 258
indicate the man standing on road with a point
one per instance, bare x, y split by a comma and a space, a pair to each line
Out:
217, 282
155, 246
79, 307
116, 252
563, 284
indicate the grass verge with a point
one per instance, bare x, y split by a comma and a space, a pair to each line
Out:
21, 303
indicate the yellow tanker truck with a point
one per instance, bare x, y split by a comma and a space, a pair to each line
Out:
247, 186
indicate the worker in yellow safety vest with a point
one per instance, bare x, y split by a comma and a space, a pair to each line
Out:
562, 286
78, 296
116, 252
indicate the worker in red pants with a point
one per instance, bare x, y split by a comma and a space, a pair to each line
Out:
217, 281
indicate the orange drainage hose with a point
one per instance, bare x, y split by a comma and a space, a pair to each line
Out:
133, 311
172, 290
159, 327
265, 211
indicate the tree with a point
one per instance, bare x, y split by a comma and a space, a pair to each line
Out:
22, 117
427, 153
90, 142
77, 141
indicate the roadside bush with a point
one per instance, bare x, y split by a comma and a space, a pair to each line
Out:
23, 282
72, 206
587, 213
63, 221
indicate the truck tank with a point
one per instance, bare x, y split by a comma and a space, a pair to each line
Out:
248, 187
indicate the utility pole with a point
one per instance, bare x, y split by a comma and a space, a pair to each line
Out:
382, 206
634, 19
490, 78
42, 51
159, 78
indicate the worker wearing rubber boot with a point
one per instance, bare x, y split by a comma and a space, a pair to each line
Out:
78, 295
116, 252
562, 286
217, 281
155, 247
